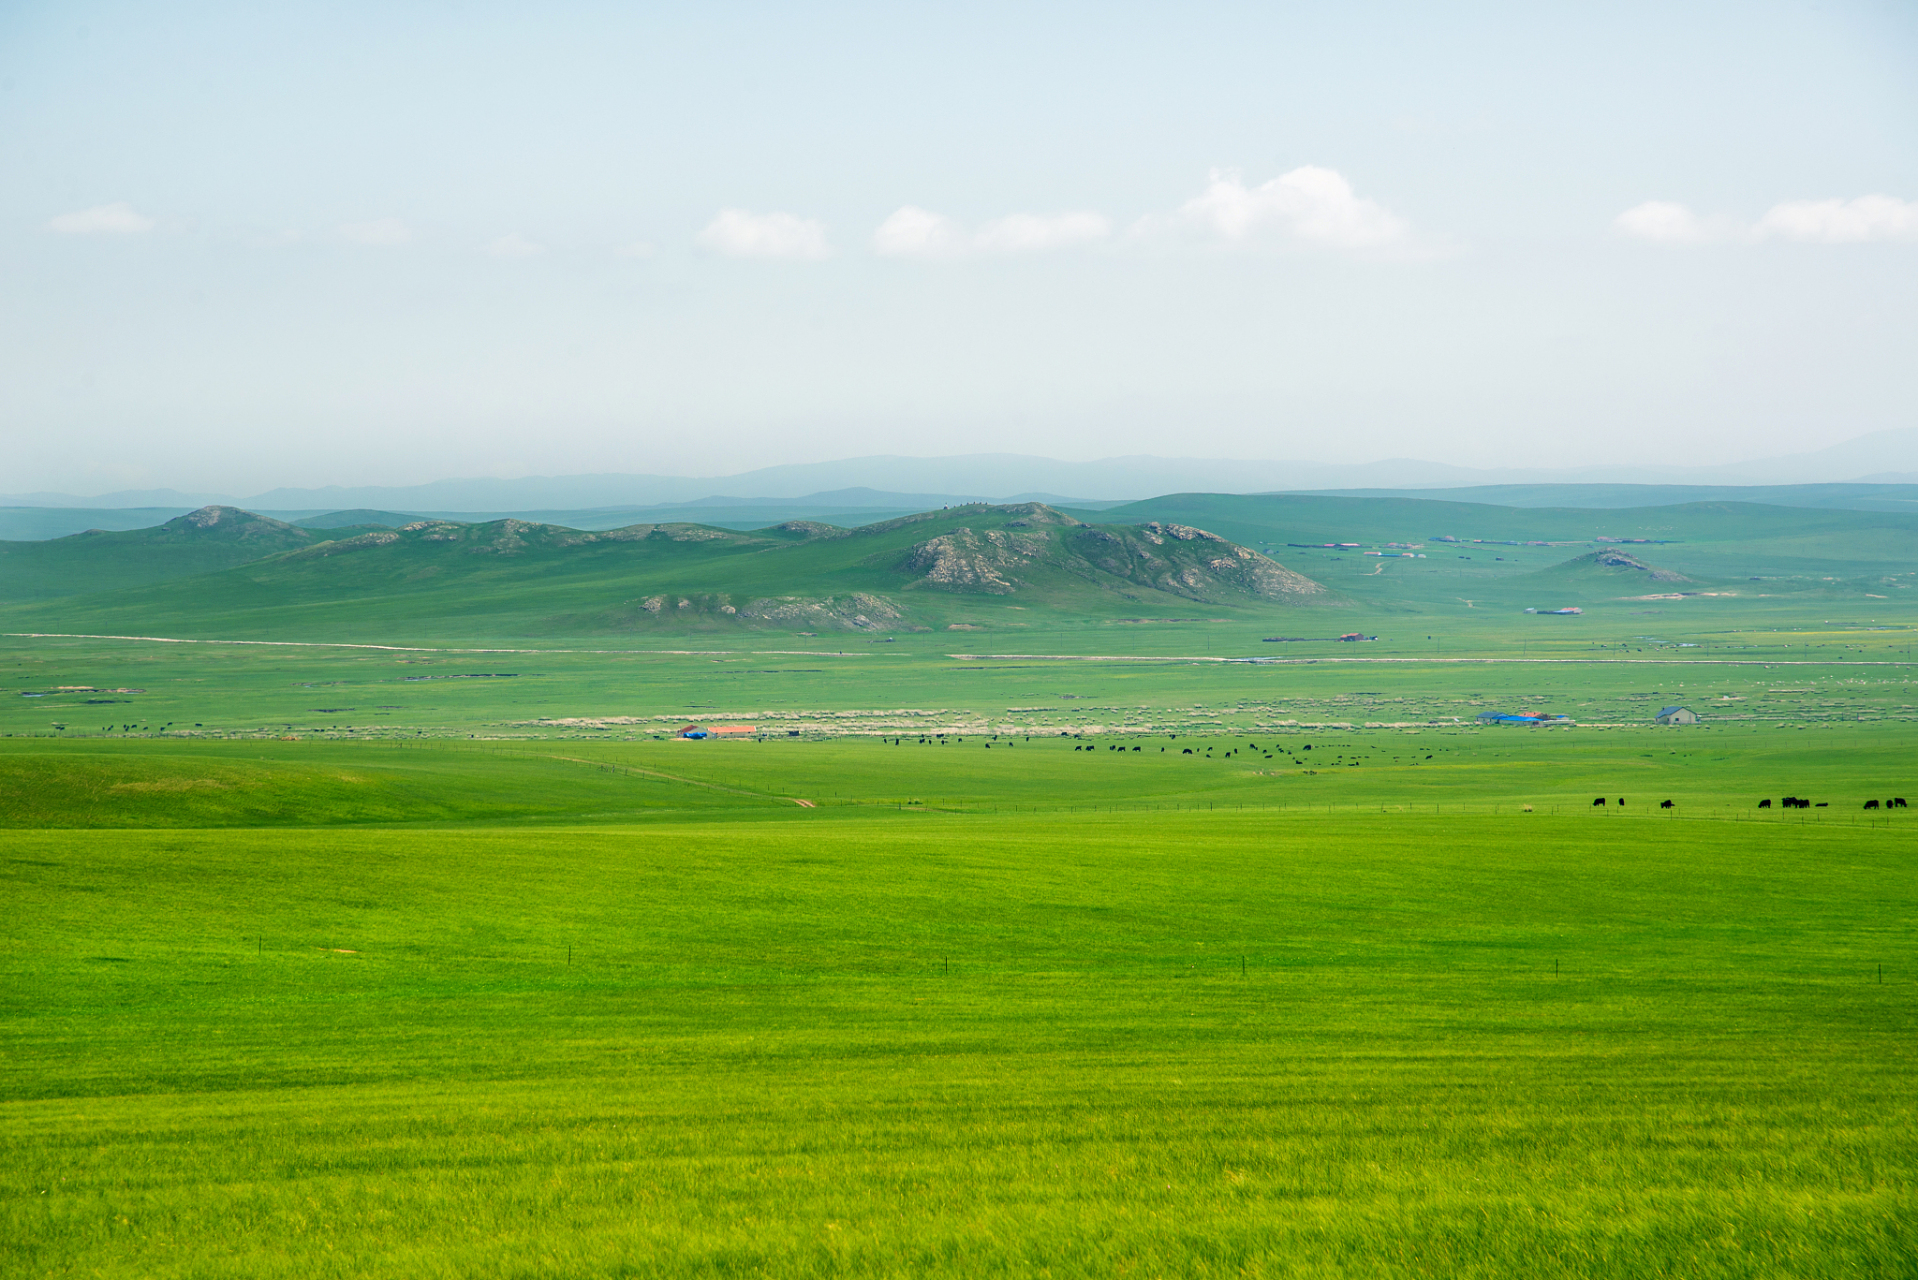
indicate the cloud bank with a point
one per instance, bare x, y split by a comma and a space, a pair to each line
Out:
736, 233
117, 219
1860, 220
1309, 205
1856, 221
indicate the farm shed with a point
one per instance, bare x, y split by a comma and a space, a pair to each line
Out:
1677, 715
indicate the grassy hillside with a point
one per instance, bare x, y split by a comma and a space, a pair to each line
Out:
1723, 539
199, 542
1378, 565
1853, 496
1771, 562
939, 569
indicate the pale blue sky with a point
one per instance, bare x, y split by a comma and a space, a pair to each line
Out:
265, 244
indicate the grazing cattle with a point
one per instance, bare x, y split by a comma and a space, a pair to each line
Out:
1621, 801
1898, 802
1186, 751
1793, 802
1664, 804
1764, 804
1871, 804
1599, 801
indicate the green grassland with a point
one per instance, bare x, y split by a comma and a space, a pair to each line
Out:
1719, 773
1119, 679
1221, 1044
374, 922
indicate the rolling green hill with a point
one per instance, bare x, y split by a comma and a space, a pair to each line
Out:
943, 569
199, 542
1609, 572
1478, 552
1029, 566
1726, 539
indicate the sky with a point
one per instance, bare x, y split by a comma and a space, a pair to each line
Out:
262, 244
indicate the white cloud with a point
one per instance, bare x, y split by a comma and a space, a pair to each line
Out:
515, 246
1662, 222
1310, 205
1853, 221
380, 232
118, 219
912, 232
739, 234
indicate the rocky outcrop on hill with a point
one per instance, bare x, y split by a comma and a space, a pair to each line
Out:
342, 546
1619, 560
515, 537
1612, 564
855, 611
812, 529
232, 524
1190, 562
984, 562
1174, 558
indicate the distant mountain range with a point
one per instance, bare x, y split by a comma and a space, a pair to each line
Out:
913, 484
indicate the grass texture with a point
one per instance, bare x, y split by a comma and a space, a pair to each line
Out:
1212, 1044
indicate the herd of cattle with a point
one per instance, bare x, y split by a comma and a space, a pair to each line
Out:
1789, 802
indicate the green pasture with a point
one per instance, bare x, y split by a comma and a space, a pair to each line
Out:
334, 961
1213, 1044
1706, 773
1118, 682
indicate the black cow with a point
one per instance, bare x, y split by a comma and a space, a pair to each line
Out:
1599, 801
1898, 802
1665, 804
1764, 804
1621, 802
1871, 804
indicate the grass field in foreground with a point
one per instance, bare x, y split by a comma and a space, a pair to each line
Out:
1215, 1044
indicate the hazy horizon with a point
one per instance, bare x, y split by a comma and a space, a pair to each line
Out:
350, 245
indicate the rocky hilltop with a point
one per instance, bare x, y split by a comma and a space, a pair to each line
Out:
1174, 558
